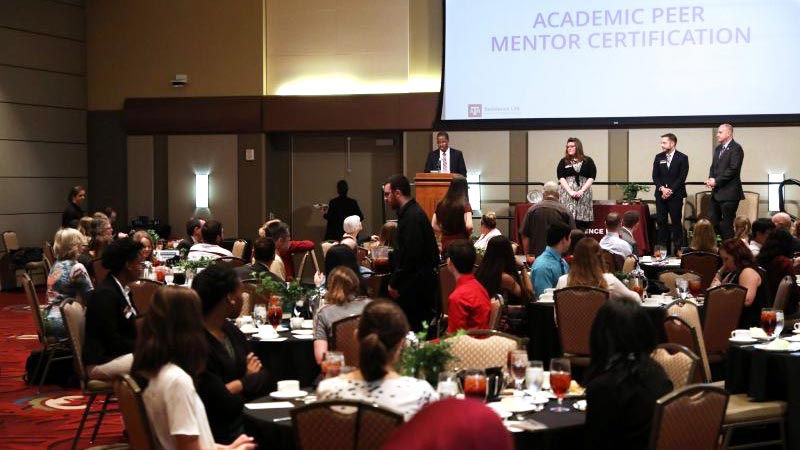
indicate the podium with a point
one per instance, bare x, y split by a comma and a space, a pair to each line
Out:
430, 188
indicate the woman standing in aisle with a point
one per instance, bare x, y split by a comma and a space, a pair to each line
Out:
576, 173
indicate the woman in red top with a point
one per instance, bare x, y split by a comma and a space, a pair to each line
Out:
453, 216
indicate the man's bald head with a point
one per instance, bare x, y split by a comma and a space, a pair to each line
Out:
782, 220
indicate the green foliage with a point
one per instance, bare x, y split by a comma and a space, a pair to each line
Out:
187, 264
289, 293
154, 237
631, 190
426, 358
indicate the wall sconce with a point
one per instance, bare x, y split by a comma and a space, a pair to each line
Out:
774, 203
201, 190
474, 191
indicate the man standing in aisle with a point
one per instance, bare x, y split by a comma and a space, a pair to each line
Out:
670, 168
416, 256
445, 159
725, 181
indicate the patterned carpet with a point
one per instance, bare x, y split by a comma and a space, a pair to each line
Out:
40, 421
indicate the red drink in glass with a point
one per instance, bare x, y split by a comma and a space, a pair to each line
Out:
160, 274
559, 382
694, 287
475, 386
768, 321
274, 315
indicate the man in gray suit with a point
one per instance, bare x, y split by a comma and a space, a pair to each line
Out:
725, 181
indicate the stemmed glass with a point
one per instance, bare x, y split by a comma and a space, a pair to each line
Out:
518, 366
332, 364
682, 287
778, 323
560, 379
535, 376
659, 252
169, 275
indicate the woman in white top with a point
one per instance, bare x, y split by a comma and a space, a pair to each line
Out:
587, 270
381, 334
488, 230
171, 351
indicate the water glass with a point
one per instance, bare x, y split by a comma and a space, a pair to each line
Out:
534, 376
448, 385
169, 275
659, 252
260, 314
518, 367
778, 323
682, 287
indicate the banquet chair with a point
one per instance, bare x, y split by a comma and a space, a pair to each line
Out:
743, 412
377, 285
495, 309
239, 247
702, 204
302, 267
11, 244
668, 278
679, 332
137, 425
250, 287
723, 308
326, 245
49, 254
613, 262
143, 290
576, 308
75, 319
231, 261
481, 349
705, 264
344, 339
342, 425
100, 271
447, 284
678, 362
689, 418
52, 349
629, 265
785, 290
749, 206
689, 312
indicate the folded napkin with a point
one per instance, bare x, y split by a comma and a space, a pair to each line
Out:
758, 333
526, 425
269, 405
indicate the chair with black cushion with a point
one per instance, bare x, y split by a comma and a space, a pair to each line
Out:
31, 268
689, 418
723, 308
678, 362
344, 339
576, 308
143, 290
342, 425
706, 264
53, 349
137, 425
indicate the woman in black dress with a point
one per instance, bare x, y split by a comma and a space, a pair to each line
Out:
73, 213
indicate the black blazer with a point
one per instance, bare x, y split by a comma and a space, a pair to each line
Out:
245, 272
457, 164
185, 244
727, 172
340, 208
71, 216
673, 177
109, 333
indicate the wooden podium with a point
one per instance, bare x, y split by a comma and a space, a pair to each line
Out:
430, 188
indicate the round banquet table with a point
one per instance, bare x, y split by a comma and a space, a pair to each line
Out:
289, 359
557, 430
765, 375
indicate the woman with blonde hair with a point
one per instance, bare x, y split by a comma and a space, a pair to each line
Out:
587, 270
704, 239
68, 278
741, 229
340, 302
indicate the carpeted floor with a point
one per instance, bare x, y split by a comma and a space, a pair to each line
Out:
39, 421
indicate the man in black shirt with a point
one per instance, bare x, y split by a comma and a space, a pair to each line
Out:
413, 281
338, 209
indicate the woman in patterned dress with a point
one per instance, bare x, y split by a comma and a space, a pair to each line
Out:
576, 173
68, 279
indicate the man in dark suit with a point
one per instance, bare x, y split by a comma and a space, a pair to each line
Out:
194, 234
670, 168
445, 159
264, 254
725, 181
338, 209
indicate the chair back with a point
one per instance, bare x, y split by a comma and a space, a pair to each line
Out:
129, 396
481, 349
143, 290
74, 316
668, 277
723, 308
49, 254
377, 285
786, 288
629, 264
231, 261
253, 297
679, 332
705, 264
495, 307
100, 271
36, 310
613, 262
702, 205
327, 246
447, 284
301, 270
10, 241
749, 206
344, 340
576, 308
678, 362
238, 249
690, 417
343, 425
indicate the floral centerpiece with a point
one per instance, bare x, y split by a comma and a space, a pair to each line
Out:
631, 190
426, 359
290, 294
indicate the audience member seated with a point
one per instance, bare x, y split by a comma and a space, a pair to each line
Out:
612, 242
739, 267
629, 220
111, 313
469, 301
339, 255
263, 255
459, 425
488, 230
209, 248
352, 226
783, 220
587, 270
73, 212
233, 373
703, 238
549, 266
170, 355
741, 229
498, 272
68, 279
453, 215
148, 245
623, 382
540, 217
111, 214
761, 230
285, 247
575, 236
85, 227
388, 230
341, 301
381, 335
776, 258
194, 234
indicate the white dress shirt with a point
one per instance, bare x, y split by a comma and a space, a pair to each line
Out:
615, 244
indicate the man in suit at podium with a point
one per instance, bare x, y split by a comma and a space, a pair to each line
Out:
445, 159
670, 168
725, 181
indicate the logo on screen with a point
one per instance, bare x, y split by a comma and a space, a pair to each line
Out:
475, 110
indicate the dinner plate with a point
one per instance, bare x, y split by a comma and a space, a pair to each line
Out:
280, 328
792, 338
792, 348
795, 331
502, 412
287, 394
742, 340
302, 331
249, 330
538, 398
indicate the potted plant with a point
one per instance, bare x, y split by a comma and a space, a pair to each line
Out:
191, 267
290, 294
631, 190
426, 359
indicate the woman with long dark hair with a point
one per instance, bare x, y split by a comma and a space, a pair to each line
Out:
776, 257
73, 212
587, 270
576, 173
739, 267
623, 382
453, 216
381, 335
498, 272
169, 358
